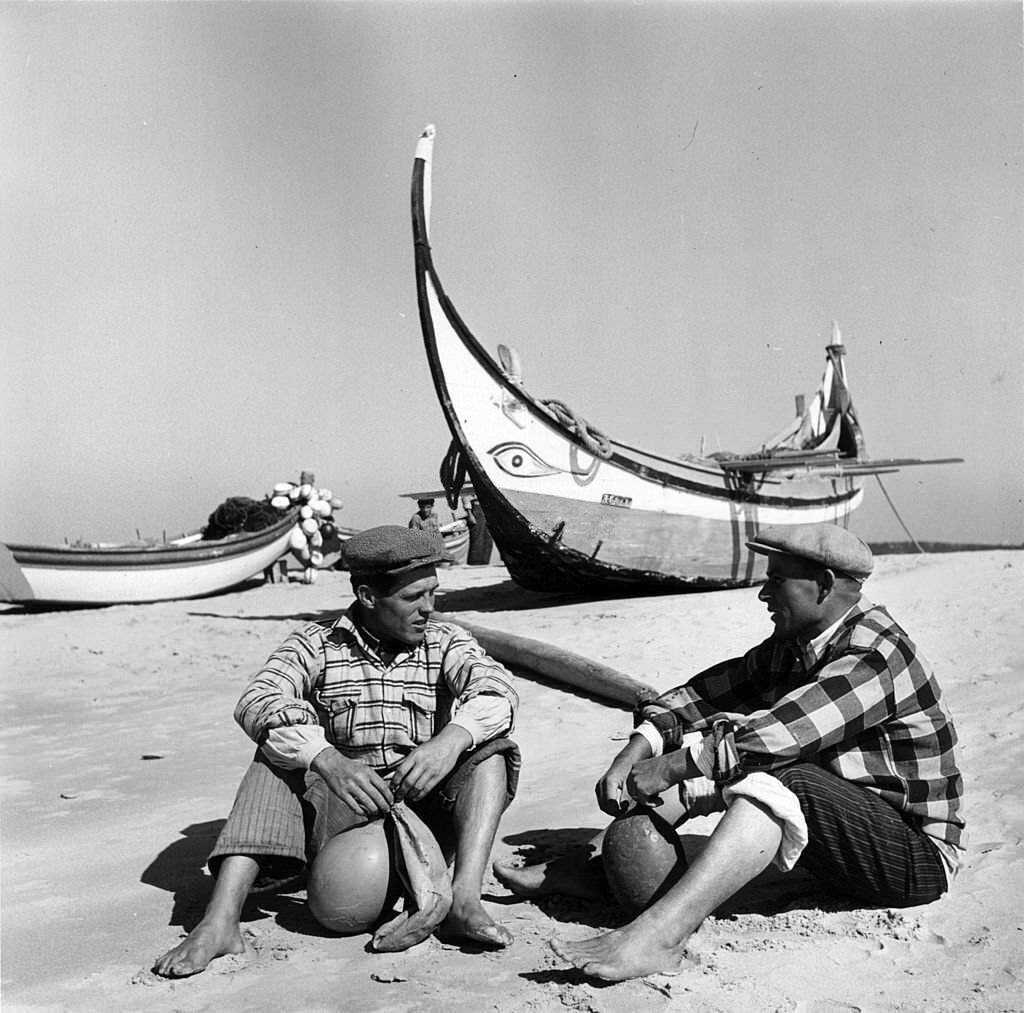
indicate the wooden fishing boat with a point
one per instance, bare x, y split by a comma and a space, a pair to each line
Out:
454, 533
571, 509
103, 574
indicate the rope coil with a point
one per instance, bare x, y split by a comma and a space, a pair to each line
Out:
453, 466
453, 474
590, 436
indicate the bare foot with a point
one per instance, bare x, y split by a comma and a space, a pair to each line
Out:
569, 875
470, 922
629, 952
207, 941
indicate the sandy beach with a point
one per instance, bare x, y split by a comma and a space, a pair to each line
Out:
120, 761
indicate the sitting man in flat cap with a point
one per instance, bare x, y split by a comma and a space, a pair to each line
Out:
826, 746
355, 713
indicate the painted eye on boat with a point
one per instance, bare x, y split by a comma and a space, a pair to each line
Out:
518, 459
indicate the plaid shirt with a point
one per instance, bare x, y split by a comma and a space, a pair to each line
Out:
867, 708
332, 673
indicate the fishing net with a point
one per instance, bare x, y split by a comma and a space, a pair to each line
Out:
240, 513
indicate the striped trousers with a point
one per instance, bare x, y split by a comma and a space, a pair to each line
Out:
860, 845
282, 817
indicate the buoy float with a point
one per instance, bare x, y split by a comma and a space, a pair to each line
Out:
316, 508
642, 857
351, 882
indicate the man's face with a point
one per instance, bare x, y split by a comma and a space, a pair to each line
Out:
792, 595
402, 615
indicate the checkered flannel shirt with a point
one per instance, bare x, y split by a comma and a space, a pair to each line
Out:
868, 709
332, 673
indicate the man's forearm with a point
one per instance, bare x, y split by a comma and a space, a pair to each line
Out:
455, 737
635, 750
680, 766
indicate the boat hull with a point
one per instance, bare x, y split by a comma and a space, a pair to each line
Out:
622, 545
45, 575
570, 512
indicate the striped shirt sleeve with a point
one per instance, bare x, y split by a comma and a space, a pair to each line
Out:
477, 683
848, 696
727, 689
276, 697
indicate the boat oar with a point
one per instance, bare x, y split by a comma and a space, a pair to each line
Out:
558, 664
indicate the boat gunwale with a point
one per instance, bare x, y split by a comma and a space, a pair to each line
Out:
149, 557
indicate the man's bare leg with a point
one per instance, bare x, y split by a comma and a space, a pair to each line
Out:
577, 874
478, 809
741, 846
219, 932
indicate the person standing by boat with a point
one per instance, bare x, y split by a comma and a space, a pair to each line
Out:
481, 544
354, 713
425, 519
827, 746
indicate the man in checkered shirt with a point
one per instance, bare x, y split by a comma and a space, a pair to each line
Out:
827, 746
353, 714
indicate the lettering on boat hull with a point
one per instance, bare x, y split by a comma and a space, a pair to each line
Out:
611, 499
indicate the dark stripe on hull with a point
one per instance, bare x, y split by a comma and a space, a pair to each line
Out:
136, 557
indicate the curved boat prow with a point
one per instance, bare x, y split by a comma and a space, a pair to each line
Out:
568, 515
425, 154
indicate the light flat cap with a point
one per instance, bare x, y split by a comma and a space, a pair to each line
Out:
390, 550
827, 544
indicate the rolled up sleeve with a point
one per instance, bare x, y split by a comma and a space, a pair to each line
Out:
485, 701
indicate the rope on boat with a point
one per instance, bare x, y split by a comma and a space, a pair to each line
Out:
892, 506
453, 474
591, 437
453, 466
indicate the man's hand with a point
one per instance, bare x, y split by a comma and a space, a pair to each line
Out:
427, 765
360, 787
612, 794
649, 778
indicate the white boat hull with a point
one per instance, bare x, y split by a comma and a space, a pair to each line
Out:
40, 575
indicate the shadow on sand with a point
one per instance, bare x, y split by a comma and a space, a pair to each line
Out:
180, 869
770, 893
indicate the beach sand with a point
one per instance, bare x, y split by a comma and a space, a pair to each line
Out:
120, 761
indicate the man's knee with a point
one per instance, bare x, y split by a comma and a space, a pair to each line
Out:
493, 769
487, 778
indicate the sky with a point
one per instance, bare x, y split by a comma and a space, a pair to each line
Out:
207, 278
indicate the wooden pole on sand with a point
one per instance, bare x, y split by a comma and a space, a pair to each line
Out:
558, 664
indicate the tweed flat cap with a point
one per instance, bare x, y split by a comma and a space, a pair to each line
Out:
389, 550
827, 544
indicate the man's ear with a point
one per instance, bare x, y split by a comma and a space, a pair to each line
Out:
366, 596
826, 584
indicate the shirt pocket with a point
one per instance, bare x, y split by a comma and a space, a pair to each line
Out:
339, 706
421, 712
